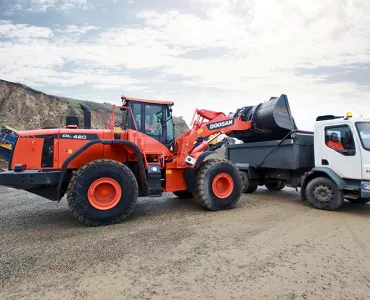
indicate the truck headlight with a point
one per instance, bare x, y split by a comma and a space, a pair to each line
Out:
367, 186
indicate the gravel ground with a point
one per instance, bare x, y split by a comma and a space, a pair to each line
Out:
272, 246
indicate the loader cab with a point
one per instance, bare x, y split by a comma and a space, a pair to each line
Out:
153, 118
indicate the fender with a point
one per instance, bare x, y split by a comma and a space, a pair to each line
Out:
104, 142
190, 173
316, 172
251, 171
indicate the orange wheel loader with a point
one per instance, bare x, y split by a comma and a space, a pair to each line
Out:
103, 172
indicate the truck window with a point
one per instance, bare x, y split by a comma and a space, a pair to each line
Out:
363, 129
340, 139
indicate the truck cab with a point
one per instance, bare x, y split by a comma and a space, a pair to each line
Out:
342, 155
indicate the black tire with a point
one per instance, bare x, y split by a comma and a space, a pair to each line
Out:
358, 201
324, 194
276, 185
206, 176
183, 194
78, 199
248, 186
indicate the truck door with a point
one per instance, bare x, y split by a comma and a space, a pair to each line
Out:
340, 151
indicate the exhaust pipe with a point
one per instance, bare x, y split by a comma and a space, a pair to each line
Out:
87, 116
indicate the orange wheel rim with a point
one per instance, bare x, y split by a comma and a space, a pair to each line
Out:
223, 185
104, 193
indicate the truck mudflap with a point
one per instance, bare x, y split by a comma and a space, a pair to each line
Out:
41, 183
365, 189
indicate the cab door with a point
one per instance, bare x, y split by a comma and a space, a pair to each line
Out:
345, 158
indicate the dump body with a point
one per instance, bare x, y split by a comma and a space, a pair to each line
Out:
274, 163
292, 154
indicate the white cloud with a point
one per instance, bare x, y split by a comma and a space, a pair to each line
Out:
74, 30
43, 5
261, 44
23, 31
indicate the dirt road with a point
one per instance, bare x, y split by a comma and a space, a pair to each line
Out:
272, 246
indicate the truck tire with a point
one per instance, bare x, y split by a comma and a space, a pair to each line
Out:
102, 192
218, 185
324, 194
276, 185
249, 185
183, 194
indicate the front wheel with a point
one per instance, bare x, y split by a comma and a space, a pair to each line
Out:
102, 192
324, 194
218, 185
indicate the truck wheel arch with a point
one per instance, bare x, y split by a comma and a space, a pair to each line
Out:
320, 172
130, 144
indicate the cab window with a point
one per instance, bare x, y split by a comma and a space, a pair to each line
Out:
363, 129
340, 139
170, 130
137, 112
153, 120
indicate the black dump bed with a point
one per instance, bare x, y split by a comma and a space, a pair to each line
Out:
293, 153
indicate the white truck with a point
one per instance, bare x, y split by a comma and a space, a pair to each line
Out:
330, 164
339, 172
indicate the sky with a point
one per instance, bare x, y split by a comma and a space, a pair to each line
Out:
213, 54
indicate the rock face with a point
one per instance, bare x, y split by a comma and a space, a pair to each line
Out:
24, 108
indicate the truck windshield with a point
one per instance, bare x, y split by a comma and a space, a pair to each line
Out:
363, 129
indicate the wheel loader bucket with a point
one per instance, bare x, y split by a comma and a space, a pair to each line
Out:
272, 120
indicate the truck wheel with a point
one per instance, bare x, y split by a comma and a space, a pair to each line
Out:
102, 192
218, 185
324, 194
275, 185
249, 185
183, 194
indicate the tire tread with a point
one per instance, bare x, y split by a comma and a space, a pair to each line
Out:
199, 194
74, 182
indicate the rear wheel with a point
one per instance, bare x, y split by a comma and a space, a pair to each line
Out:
275, 185
102, 192
183, 194
323, 193
249, 185
218, 185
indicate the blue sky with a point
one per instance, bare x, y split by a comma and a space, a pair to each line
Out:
214, 54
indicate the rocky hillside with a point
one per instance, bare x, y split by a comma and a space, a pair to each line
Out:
24, 108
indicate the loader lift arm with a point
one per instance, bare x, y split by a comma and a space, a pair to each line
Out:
205, 123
